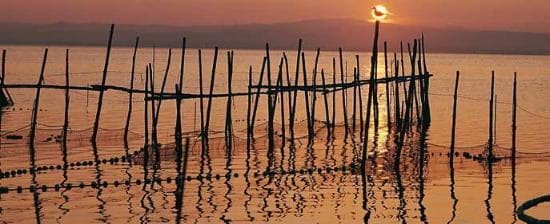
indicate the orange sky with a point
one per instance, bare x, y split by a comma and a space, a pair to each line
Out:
517, 15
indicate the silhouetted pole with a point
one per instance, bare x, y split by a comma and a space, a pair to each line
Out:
182, 63
257, 98
306, 97
103, 80
397, 102
157, 113
177, 131
490, 156
374, 68
514, 107
37, 100
248, 106
387, 83
361, 118
354, 108
228, 112
455, 101
325, 97
292, 115
67, 84
344, 107
279, 86
314, 100
146, 108
270, 103
212, 82
201, 102
333, 95
130, 98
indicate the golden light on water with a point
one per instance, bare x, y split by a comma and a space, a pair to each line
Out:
379, 12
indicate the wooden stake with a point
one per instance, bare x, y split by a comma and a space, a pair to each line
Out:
333, 95
353, 117
103, 80
130, 98
361, 119
306, 97
343, 92
37, 99
146, 108
314, 100
228, 115
387, 83
212, 82
325, 97
514, 107
270, 103
292, 115
455, 102
67, 100
201, 100
257, 98
279, 85
491, 156
397, 115
248, 106
177, 131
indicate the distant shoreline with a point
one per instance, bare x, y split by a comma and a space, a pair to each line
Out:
260, 49
351, 35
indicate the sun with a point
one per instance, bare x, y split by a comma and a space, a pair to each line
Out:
379, 12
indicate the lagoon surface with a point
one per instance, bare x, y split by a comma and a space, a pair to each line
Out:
416, 186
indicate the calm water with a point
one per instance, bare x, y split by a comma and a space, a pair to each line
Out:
421, 191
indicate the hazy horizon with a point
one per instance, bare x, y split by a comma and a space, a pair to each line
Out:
509, 15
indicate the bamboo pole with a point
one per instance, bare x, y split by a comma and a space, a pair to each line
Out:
130, 98
343, 92
257, 98
182, 62
455, 102
289, 84
37, 100
354, 111
491, 156
495, 120
177, 131
314, 100
248, 107
428, 117
388, 112
292, 115
228, 114
163, 86
279, 85
103, 81
201, 101
374, 68
333, 95
146, 108
154, 142
397, 102
514, 107
306, 97
403, 72
67, 100
212, 82
325, 97
154, 139
361, 119
270, 103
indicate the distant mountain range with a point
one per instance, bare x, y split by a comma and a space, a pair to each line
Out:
330, 34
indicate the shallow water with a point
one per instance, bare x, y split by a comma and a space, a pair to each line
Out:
423, 189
